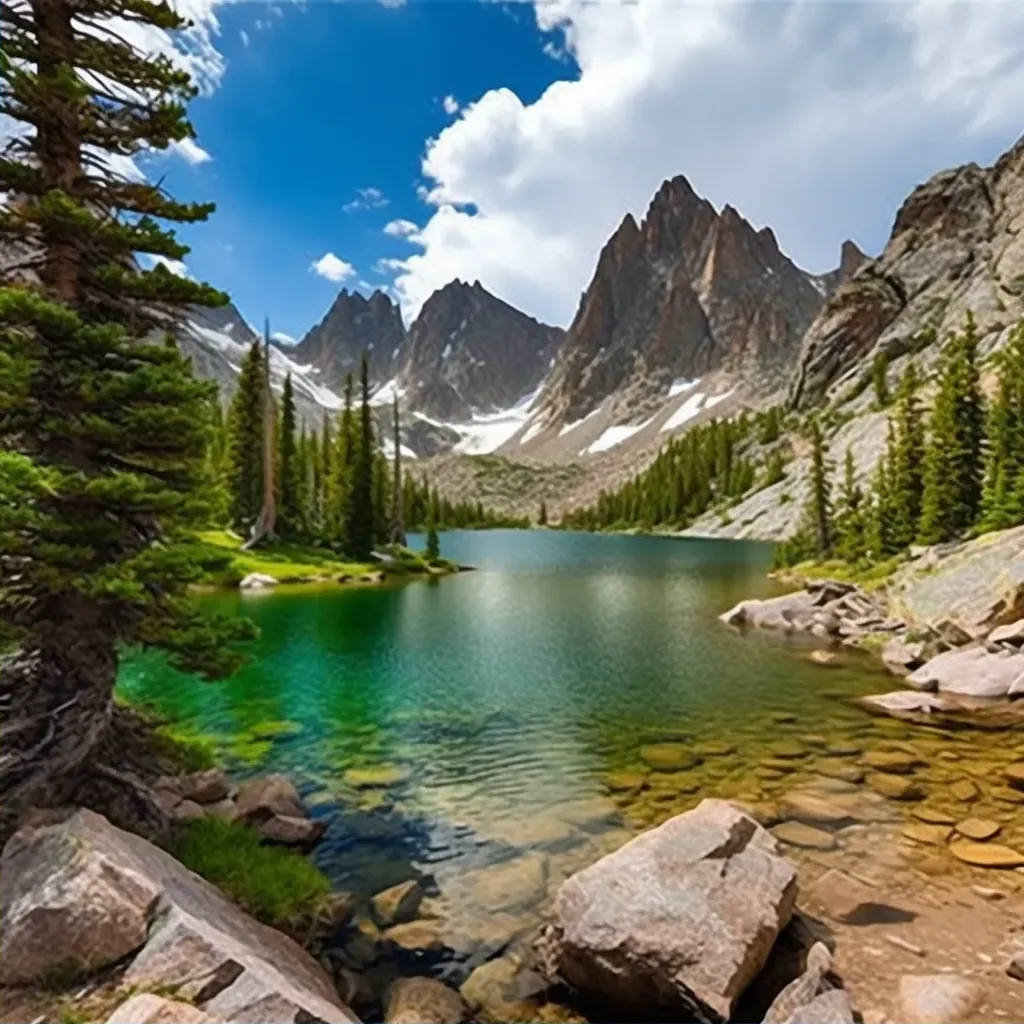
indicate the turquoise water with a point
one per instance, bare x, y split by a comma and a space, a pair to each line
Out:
446, 727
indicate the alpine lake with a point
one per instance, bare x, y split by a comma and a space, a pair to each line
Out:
490, 733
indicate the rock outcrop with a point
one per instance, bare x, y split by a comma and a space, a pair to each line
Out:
80, 894
682, 917
687, 291
956, 245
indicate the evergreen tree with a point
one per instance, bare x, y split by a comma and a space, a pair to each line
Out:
382, 501
879, 379
1003, 494
954, 457
398, 495
542, 516
289, 522
103, 432
361, 530
850, 525
433, 551
819, 506
245, 444
904, 458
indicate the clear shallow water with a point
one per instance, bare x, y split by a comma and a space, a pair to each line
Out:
451, 728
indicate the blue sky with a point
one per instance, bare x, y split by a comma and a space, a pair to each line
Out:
814, 118
318, 104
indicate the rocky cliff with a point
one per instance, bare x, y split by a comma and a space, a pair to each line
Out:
686, 292
956, 245
468, 353
354, 325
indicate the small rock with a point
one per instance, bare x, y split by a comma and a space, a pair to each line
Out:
965, 790
490, 992
836, 768
668, 757
843, 748
416, 936
987, 893
621, 782
188, 810
932, 815
986, 855
288, 831
381, 777
978, 829
260, 799
895, 940
787, 750
895, 787
831, 1007
147, 1008
713, 748
934, 835
894, 762
796, 833
901, 657
1014, 775
399, 904
256, 581
225, 810
422, 1001
939, 998
812, 809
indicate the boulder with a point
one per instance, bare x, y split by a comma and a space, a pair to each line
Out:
258, 800
491, 993
832, 1007
70, 902
907, 704
422, 1001
256, 581
399, 904
803, 992
147, 1008
901, 657
205, 787
188, 810
972, 672
895, 787
285, 830
789, 613
814, 808
939, 998
1011, 635
643, 925
84, 893
805, 837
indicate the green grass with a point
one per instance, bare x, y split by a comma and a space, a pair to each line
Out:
867, 577
282, 561
192, 751
275, 885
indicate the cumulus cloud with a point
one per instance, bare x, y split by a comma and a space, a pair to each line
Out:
367, 199
450, 104
190, 151
813, 118
174, 266
400, 228
332, 268
283, 339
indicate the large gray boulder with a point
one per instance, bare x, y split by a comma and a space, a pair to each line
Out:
971, 672
82, 894
789, 613
682, 917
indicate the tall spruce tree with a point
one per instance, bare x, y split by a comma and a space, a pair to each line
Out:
1003, 494
245, 444
289, 505
398, 494
954, 458
819, 504
904, 458
103, 428
850, 525
361, 531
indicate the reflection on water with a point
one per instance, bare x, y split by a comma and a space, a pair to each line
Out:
492, 732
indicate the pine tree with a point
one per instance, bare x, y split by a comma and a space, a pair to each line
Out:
819, 506
398, 495
103, 428
879, 379
954, 456
289, 522
850, 525
904, 458
433, 551
245, 444
361, 530
1003, 493
542, 516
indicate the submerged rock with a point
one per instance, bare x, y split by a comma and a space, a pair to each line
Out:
258, 800
806, 837
939, 998
986, 855
512, 885
642, 925
399, 904
789, 613
422, 1001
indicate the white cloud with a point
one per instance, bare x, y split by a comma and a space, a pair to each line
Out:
244, 36
813, 118
174, 266
283, 339
367, 199
190, 151
450, 104
388, 266
400, 228
332, 268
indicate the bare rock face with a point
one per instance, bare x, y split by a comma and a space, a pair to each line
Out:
687, 291
354, 325
83, 894
683, 916
955, 246
468, 352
